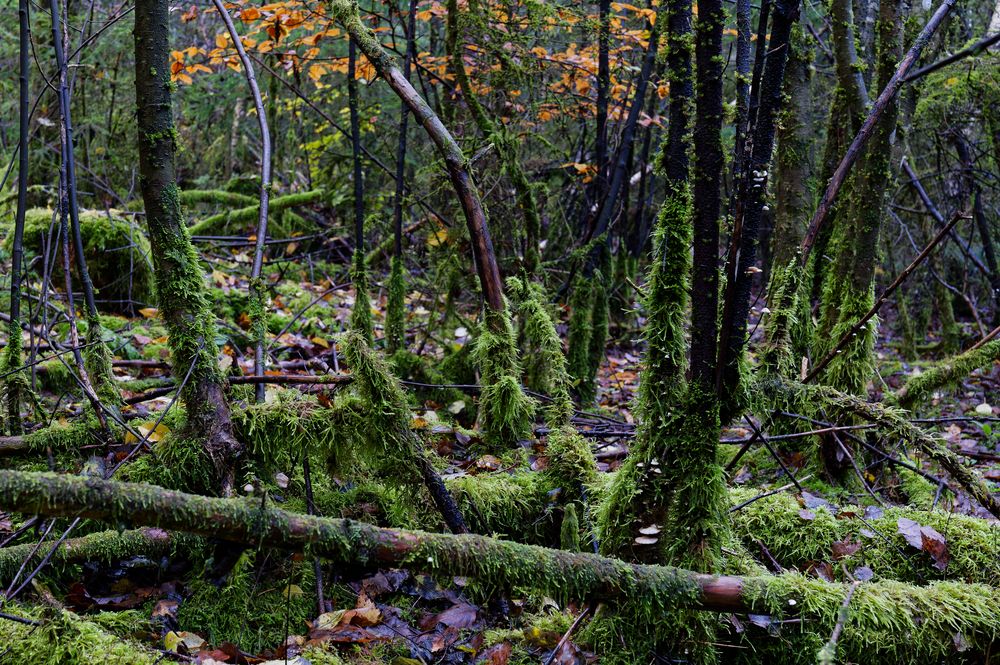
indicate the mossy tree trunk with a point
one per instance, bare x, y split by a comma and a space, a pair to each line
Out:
13, 385
180, 281
395, 316
849, 288
794, 142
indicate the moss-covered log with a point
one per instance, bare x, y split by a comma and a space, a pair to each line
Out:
118, 253
105, 547
895, 621
946, 373
225, 221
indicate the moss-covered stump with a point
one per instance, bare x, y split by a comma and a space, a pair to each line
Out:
118, 253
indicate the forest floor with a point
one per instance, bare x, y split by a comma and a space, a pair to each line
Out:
393, 616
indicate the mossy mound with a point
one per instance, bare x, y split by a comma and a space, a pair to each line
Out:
118, 253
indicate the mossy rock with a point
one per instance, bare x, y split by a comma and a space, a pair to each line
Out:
118, 254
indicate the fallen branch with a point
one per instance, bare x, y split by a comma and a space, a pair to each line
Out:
105, 547
251, 213
892, 422
948, 372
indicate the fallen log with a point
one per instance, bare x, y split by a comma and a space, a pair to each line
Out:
902, 622
105, 547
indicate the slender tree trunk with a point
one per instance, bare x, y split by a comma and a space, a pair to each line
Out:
257, 293
706, 191
982, 221
603, 86
746, 225
504, 143
12, 356
346, 13
395, 329
67, 138
180, 282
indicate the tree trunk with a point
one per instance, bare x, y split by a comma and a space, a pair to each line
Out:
180, 282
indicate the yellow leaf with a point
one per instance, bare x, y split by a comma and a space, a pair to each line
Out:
316, 72
149, 312
221, 41
184, 78
249, 14
437, 238
319, 341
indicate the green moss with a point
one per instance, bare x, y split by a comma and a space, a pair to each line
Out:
919, 388
237, 219
546, 368
506, 414
67, 639
796, 542
118, 253
889, 622
361, 314
262, 597
14, 385
395, 308
580, 332
599, 322
515, 506
569, 533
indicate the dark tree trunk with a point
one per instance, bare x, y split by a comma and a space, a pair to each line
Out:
706, 192
12, 355
359, 185
982, 221
603, 84
753, 192
180, 282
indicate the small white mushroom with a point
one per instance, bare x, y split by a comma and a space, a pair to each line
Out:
650, 530
646, 540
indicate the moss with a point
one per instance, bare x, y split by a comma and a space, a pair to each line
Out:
506, 414
854, 364
178, 461
795, 542
67, 639
571, 465
886, 622
361, 314
97, 362
569, 532
118, 253
666, 298
547, 362
262, 597
580, 332
395, 308
515, 506
919, 388
233, 220
13, 383
599, 322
